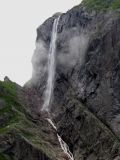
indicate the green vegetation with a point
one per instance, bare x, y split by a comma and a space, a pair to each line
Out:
102, 4
116, 4
11, 110
2, 157
9, 97
8, 87
8, 94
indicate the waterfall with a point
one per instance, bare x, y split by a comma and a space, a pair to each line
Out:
63, 145
50, 86
51, 67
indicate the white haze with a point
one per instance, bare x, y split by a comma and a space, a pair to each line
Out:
39, 61
77, 46
67, 57
18, 22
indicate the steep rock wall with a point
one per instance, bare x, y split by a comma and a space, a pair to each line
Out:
87, 70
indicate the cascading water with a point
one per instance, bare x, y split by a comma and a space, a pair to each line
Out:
50, 86
51, 67
63, 145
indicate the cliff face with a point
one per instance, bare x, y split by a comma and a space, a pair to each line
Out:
87, 72
86, 99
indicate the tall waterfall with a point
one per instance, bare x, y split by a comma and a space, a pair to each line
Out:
51, 67
50, 86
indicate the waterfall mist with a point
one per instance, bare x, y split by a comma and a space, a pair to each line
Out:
73, 48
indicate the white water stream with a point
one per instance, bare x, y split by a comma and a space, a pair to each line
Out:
51, 67
63, 145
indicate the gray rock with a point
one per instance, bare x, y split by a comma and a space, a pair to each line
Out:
2, 103
87, 71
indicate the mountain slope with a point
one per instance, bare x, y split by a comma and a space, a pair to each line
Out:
24, 134
86, 101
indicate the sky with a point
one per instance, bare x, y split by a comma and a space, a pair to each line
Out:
18, 22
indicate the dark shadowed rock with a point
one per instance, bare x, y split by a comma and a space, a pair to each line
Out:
2, 104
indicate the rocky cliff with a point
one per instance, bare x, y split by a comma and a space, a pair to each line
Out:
86, 98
